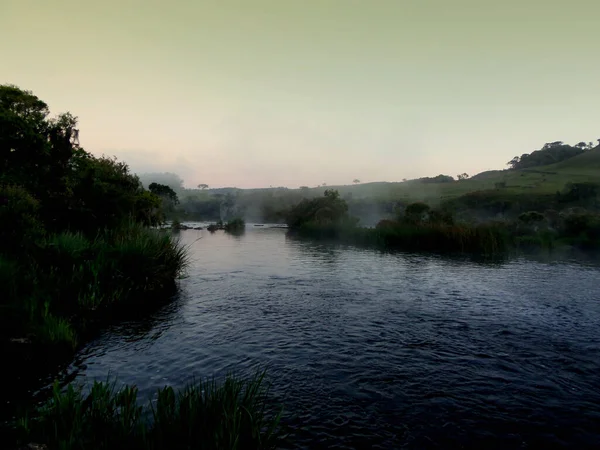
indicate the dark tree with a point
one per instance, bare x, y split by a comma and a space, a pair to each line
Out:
164, 191
73, 189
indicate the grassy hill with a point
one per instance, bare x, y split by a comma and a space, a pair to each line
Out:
587, 163
506, 191
540, 180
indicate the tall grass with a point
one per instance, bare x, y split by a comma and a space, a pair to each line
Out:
484, 238
207, 415
69, 279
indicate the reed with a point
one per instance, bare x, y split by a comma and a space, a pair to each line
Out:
231, 414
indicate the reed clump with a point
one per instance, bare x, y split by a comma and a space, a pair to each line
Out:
231, 414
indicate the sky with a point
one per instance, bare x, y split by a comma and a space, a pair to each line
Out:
258, 93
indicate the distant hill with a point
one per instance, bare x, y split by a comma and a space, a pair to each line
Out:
488, 174
588, 161
551, 153
571, 166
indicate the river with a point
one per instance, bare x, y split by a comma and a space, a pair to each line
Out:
378, 350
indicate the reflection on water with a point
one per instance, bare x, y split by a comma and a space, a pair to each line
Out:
379, 349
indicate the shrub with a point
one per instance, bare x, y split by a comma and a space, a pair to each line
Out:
416, 212
327, 209
235, 225
19, 221
531, 217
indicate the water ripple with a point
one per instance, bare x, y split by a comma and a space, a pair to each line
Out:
379, 350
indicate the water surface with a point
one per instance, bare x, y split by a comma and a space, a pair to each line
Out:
379, 350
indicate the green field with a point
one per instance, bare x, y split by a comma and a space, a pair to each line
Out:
540, 180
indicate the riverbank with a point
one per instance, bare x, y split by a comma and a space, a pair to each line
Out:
421, 228
62, 294
487, 239
67, 285
78, 248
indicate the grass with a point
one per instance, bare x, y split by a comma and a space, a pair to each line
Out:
484, 239
70, 281
232, 414
579, 229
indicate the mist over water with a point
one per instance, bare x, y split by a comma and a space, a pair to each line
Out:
384, 350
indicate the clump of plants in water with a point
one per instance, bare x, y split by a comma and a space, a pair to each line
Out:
232, 414
236, 225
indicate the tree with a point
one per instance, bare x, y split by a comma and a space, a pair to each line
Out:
203, 186
74, 189
555, 144
513, 163
329, 209
416, 212
356, 181
462, 176
172, 180
164, 192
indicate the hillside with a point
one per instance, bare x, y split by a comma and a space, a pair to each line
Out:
588, 162
525, 189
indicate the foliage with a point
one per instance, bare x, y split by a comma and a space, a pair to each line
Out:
235, 225
198, 207
168, 198
105, 193
19, 219
578, 192
74, 189
208, 415
437, 179
581, 228
551, 153
431, 237
172, 180
164, 191
321, 210
70, 278
417, 212
531, 217
72, 228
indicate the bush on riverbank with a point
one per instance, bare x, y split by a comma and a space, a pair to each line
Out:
487, 239
71, 280
206, 415
74, 236
420, 228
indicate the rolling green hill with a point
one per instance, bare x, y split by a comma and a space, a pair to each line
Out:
509, 191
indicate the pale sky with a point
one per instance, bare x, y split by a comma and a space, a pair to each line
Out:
253, 93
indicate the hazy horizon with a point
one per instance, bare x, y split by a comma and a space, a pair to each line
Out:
277, 93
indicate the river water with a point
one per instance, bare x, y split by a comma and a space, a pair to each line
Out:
376, 350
